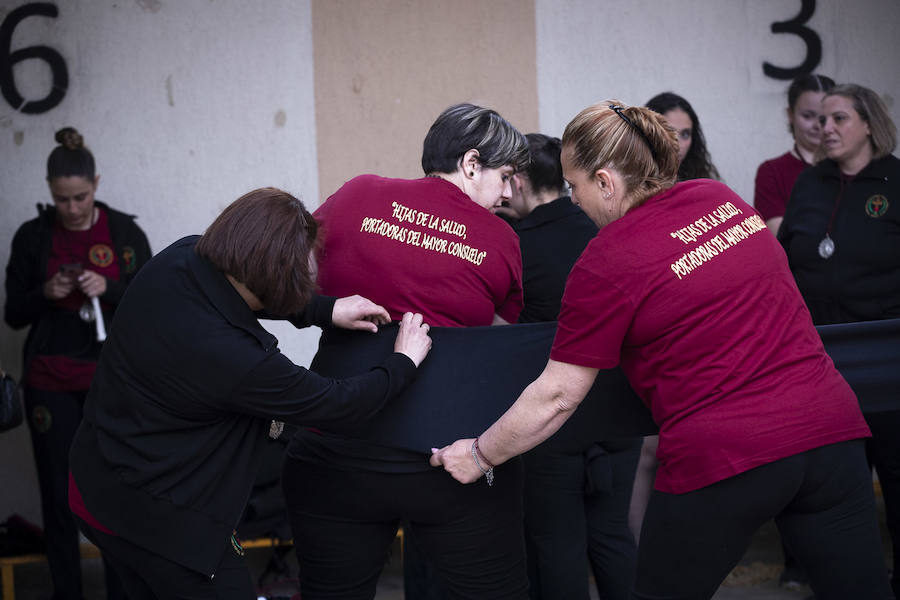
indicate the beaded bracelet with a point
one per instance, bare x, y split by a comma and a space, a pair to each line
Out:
489, 473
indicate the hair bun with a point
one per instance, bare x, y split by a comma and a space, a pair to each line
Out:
69, 138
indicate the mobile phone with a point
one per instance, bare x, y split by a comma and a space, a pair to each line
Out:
71, 269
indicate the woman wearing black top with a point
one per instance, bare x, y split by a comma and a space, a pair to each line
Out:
190, 385
840, 232
576, 503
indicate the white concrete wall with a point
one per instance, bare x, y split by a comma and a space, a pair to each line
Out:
186, 106
711, 52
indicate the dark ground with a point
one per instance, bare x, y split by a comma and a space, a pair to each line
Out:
755, 578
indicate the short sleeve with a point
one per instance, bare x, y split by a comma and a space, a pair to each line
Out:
766, 199
593, 321
512, 305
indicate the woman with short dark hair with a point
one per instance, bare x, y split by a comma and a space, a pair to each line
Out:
190, 385
687, 290
430, 245
267, 250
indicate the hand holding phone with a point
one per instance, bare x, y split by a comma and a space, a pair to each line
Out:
71, 270
62, 282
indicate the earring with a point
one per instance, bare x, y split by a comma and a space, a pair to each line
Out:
471, 173
607, 195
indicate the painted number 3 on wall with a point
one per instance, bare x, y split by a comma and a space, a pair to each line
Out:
9, 58
797, 26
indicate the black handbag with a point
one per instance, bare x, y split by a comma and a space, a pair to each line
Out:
10, 402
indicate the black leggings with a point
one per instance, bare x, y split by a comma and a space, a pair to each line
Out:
344, 524
53, 418
573, 522
149, 576
822, 502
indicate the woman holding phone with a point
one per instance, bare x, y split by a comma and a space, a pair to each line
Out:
76, 256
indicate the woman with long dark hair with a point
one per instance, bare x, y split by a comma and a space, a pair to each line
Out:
694, 161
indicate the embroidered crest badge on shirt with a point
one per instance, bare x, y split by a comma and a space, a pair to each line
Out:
129, 259
41, 418
876, 206
101, 255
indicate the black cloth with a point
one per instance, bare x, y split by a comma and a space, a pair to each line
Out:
822, 503
551, 238
883, 451
470, 377
55, 331
179, 410
473, 374
472, 534
861, 281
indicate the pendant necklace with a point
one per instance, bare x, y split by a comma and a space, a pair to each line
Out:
826, 246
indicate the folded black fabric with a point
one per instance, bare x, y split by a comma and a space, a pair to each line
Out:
469, 379
473, 374
868, 356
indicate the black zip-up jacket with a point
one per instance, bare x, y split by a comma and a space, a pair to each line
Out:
55, 331
179, 409
861, 280
551, 237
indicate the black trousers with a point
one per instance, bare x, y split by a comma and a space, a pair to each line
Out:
344, 523
822, 503
53, 418
576, 516
883, 449
148, 576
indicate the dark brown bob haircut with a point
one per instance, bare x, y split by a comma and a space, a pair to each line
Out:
264, 240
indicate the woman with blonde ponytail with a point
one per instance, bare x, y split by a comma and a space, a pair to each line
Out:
683, 289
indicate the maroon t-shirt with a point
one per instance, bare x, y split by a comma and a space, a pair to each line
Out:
93, 250
775, 179
419, 245
693, 296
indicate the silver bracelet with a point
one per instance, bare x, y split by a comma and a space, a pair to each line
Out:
488, 474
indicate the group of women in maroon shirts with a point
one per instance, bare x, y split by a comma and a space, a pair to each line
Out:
683, 287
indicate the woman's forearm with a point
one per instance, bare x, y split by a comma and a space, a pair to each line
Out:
538, 413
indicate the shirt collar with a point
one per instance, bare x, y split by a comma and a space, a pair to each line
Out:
545, 213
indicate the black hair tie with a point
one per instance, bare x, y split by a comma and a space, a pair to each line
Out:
618, 110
